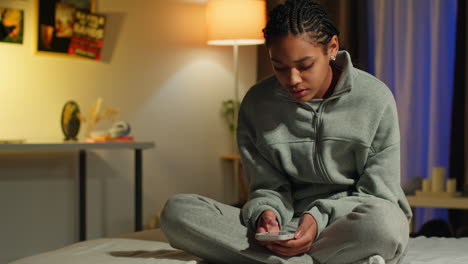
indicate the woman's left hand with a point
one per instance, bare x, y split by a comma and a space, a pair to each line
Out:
303, 239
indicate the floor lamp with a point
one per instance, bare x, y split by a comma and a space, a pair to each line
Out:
236, 23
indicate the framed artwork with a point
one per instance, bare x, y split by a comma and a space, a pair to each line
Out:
55, 23
88, 35
11, 25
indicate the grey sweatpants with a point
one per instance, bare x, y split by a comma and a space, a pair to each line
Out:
215, 232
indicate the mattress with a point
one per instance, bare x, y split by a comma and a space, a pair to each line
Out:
135, 251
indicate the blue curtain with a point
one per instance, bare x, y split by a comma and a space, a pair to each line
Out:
412, 49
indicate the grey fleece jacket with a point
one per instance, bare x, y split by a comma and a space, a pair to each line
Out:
306, 157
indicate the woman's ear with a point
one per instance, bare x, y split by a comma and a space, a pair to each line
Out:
333, 46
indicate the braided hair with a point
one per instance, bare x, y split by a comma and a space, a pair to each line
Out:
300, 16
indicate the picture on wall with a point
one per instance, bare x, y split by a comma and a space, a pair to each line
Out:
88, 35
56, 19
11, 25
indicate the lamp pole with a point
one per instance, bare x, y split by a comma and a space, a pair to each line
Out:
236, 95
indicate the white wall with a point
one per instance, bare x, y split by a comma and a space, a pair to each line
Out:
168, 84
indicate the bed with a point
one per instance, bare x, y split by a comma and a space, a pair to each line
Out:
151, 247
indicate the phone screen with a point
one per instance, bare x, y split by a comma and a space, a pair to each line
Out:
275, 235
279, 233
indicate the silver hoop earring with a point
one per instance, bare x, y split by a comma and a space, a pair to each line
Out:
333, 57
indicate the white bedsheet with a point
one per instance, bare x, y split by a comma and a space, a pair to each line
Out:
131, 251
437, 251
99, 251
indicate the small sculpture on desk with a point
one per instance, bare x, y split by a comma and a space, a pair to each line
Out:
71, 120
118, 132
95, 115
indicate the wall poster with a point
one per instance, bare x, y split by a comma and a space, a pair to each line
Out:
56, 19
11, 25
88, 35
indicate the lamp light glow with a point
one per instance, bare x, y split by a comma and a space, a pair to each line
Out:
236, 22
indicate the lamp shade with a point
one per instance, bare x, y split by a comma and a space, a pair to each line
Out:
236, 22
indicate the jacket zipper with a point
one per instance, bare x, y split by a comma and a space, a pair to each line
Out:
318, 120
318, 153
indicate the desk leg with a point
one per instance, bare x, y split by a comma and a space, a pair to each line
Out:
138, 190
82, 194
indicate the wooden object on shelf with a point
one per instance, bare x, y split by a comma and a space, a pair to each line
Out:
426, 185
12, 141
452, 185
437, 186
230, 157
460, 202
438, 179
438, 194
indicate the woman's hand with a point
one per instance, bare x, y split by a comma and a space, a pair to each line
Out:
267, 222
302, 242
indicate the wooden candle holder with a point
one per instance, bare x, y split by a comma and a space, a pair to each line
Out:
437, 186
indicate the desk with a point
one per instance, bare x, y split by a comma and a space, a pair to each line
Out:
82, 148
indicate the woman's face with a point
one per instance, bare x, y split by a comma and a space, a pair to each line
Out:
301, 67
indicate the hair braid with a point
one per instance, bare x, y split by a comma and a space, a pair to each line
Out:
294, 26
300, 16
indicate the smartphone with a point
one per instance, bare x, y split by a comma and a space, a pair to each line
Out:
275, 235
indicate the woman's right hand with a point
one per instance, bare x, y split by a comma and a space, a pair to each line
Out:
267, 222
